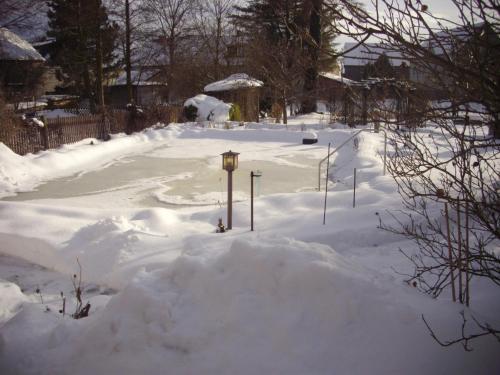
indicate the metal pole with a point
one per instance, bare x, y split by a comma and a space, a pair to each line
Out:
354, 192
230, 200
385, 151
467, 296
450, 254
459, 240
326, 184
251, 200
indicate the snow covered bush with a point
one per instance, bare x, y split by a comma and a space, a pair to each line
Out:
209, 108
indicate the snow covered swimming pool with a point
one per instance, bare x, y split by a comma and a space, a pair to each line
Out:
155, 179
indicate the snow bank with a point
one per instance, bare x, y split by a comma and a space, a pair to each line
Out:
11, 300
268, 306
209, 108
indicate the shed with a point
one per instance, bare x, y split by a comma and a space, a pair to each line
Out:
21, 66
240, 89
147, 89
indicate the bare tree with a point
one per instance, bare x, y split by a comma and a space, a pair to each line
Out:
17, 14
171, 22
448, 177
214, 26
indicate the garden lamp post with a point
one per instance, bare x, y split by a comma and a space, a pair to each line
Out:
253, 174
229, 164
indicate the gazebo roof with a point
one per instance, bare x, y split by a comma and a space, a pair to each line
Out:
233, 82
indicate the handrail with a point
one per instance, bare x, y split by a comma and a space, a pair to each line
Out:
342, 145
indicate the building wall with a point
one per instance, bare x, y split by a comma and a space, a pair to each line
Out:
246, 98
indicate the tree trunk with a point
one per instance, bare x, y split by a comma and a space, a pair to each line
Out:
313, 47
128, 65
283, 104
99, 75
171, 66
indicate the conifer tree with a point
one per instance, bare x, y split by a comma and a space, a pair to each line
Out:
296, 39
76, 25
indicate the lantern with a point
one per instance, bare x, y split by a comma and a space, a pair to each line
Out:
230, 161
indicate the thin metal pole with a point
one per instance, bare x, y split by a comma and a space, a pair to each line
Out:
385, 151
326, 184
459, 240
230, 200
450, 256
251, 200
467, 259
354, 191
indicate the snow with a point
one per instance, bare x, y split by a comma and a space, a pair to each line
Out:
294, 296
337, 78
209, 108
233, 82
13, 47
30, 105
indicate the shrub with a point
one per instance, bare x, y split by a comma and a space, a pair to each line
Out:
190, 112
235, 113
276, 111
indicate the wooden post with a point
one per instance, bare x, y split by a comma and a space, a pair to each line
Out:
45, 134
450, 253
251, 200
326, 184
230, 200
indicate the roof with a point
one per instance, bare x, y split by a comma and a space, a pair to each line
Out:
233, 82
337, 78
15, 48
369, 53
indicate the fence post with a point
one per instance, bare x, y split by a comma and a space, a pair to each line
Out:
45, 134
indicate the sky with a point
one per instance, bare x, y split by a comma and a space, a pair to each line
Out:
439, 8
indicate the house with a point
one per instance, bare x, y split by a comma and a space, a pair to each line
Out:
148, 88
21, 67
239, 89
331, 90
370, 60
475, 48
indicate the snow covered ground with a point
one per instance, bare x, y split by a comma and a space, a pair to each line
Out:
170, 295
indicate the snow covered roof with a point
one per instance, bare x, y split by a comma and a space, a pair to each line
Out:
139, 78
336, 77
233, 82
369, 53
14, 48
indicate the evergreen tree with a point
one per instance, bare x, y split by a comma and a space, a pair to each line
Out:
296, 37
80, 27
319, 51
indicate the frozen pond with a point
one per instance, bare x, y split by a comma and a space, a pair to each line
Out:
173, 182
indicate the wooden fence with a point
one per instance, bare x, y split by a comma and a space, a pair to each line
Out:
23, 137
